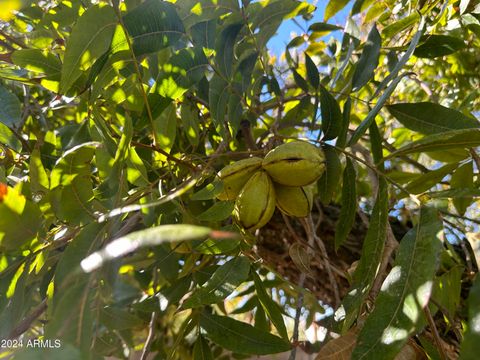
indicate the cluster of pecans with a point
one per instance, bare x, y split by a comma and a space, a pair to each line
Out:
281, 179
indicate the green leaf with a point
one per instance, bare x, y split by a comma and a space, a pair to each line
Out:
454, 193
269, 15
368, 60
333, 7
462, 178
372, 251
271, 307
400, 25
37, 61
153, 26
300, 81
438, 45
312, 72
77, 249
217, 212
139, 239
331, 115
116, 318
8, 138
165, 126
193, 12
328, 182
223, 282
240, 337
321, 27
90, 39
209, 192
39, 180
431, 118
405, 291
201, 350
190, 119
20, 219
455, 139
72, 318
10, 110
349, 205
343, 132
469, 347
447, 289
184, 69
224, 48
426, 181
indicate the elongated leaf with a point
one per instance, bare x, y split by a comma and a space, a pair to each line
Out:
312, 72
184, 69
343, 132
349, 205
438, 45
10, 110
224, 48
209, 192
331, 115
469, 349
368, 60
218, 211
72, 319
322, 27
328, 182
20, 219
333, 7
454, 194
201, 350
400, 25
83, 243
372, 250
429, 179
116, 318
240, 337
222, 283
268, 16
138, 239
392, 80
8, 138
153, 26
431, 118
455, 139
37, 61
90, 38
271, 307
193, 12
405, 291
462, 178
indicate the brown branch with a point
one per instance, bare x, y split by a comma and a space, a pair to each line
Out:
390, 247
436, 335
13, 40
27, 322
323, 251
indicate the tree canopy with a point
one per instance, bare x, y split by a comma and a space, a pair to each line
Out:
120, 237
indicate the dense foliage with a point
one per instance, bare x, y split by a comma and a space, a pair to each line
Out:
115, 118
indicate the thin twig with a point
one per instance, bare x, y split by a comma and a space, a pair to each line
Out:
390, 247
153, 321
436, 335
27, 322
